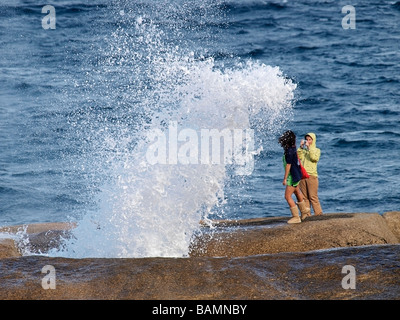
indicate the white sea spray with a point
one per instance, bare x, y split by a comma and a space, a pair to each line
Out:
145, 209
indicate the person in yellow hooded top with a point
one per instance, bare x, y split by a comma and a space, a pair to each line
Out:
309, 156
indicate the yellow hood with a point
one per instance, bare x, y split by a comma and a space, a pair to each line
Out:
314, 137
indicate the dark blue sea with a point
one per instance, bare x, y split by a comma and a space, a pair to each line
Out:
80, 94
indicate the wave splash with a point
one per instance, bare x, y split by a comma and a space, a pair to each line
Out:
154, 209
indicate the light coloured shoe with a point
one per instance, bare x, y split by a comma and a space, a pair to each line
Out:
295, 215
305, 211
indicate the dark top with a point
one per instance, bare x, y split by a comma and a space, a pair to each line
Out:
291, 157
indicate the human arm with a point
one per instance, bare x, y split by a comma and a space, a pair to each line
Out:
315, 154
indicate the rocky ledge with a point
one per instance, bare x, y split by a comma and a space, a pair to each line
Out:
333, 256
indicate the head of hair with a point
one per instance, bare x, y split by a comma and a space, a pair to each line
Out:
287, 139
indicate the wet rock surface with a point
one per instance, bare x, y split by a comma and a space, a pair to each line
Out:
250, 259
274, 235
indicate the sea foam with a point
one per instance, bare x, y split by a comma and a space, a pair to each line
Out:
150, 209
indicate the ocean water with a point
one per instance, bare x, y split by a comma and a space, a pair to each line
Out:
81, 105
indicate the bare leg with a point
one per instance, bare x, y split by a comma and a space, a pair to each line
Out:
298, 194
288, 196
292, 205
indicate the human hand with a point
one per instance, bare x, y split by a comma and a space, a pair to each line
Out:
284, 182
304, 144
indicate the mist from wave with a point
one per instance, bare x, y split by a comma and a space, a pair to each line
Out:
148, 82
